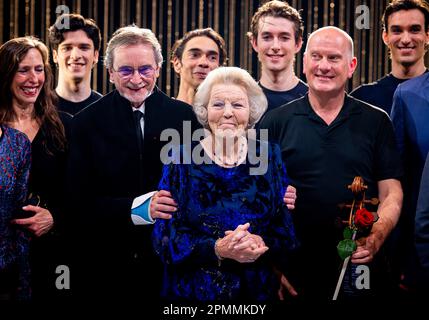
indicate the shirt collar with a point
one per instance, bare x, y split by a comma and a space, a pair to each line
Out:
142, 106
348, 107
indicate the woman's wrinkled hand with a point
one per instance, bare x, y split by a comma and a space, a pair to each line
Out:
241, 245
40, 223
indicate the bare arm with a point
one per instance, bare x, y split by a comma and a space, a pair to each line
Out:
390, 195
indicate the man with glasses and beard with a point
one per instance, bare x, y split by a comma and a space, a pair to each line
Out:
115, 159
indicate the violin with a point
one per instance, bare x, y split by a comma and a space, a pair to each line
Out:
359, 224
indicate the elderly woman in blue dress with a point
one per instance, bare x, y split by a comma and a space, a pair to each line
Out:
231, 229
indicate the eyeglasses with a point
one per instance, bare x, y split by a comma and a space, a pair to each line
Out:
127, 72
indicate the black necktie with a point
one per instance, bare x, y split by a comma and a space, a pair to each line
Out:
137, 117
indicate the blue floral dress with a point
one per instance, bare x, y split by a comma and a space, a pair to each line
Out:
212, 199
15, 159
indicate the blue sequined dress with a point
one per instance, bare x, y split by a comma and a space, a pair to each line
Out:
212, 199
15, 159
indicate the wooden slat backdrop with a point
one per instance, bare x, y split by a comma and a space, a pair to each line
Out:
170, 19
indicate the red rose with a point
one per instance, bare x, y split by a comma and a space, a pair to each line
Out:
363, 218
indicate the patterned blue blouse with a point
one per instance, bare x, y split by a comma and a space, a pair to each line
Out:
15, 159
212, 199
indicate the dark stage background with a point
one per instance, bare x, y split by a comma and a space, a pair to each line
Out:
170, 19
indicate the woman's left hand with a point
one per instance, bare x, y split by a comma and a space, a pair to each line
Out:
40, 223
251, 241
244, 246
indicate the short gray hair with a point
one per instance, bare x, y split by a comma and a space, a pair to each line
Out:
132, 35
233, 76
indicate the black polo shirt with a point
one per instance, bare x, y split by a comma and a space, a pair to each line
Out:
322, 160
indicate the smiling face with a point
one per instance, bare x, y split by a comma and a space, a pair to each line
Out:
29, 79
136, 87
328, 63
200, 56
228, 110
75, 56
406, 36
275, 44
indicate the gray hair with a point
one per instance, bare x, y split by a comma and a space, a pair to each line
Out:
233, 76
132, 35
342, 32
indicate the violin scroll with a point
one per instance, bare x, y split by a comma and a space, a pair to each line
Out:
358, 185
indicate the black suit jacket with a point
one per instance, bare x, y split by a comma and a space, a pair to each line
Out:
105, 174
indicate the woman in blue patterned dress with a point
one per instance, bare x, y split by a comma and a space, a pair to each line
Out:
15, 156
231, 230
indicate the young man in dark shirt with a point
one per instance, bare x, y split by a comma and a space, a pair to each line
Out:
276, 36
405, 24
75, 52
410, 117
193, 56
406, 33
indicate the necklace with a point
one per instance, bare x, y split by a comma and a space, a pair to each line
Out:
240, 155
25, 112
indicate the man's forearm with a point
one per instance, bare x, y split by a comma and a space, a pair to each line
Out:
389, 210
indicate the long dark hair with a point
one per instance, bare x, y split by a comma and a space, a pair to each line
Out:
11, 54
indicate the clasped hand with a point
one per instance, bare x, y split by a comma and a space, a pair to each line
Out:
241, 245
